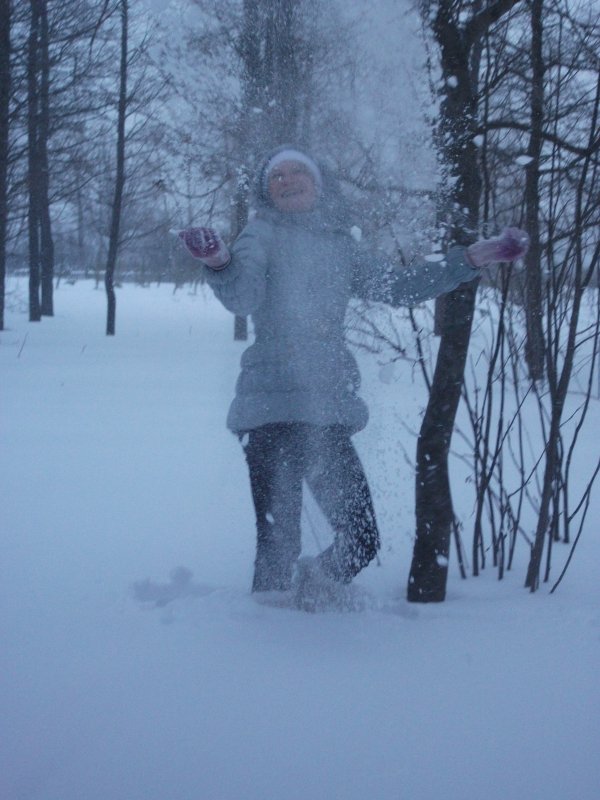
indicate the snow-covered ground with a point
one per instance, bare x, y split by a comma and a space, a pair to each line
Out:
116, 467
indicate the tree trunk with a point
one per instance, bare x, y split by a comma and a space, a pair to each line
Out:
460, 47
5, 22
240, 210
535, 349
434, 512
248, 128
33, 165
115, 225
46, 241
286, 80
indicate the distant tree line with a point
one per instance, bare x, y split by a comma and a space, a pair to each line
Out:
62, 104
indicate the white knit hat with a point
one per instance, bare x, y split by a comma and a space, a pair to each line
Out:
292, 155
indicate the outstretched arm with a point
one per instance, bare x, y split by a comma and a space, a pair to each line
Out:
238, 278
414, 285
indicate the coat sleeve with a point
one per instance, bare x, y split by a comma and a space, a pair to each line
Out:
240, 286
374, 280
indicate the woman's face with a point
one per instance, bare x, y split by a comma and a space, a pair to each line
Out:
292, 187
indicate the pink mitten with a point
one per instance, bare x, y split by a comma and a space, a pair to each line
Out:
510, 245
206, 244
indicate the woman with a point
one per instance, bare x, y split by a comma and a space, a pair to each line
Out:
294, 268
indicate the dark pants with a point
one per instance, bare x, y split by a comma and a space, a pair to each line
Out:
279, 457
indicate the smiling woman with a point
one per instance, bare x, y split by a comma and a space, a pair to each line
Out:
292, 187
294, 268
293, 181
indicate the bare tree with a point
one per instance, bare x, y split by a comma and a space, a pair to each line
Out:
534, 350
43, 187
41, 246
526, 431
115, 224
47, 68
34, 164
458, 30
560, 371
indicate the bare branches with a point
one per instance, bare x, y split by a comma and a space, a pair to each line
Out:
548, 136
479, 24
537, 134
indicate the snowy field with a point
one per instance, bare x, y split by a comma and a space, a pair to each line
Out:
116, 468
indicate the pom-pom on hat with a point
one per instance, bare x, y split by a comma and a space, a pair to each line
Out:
291, 154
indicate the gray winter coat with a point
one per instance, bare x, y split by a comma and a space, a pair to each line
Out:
295, 275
